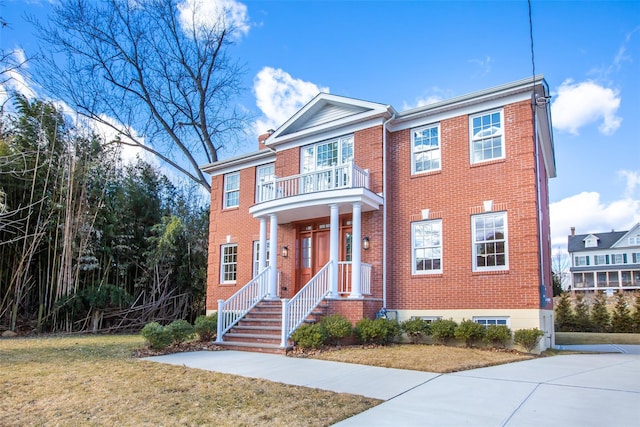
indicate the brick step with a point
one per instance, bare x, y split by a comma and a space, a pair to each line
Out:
254, 347
260, 322
252, 338
263, 315
264, 330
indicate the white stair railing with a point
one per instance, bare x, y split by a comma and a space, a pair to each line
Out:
298, 308
239, 304
344, 277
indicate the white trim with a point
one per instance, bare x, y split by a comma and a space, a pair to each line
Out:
426, 151
226, 191
414, 270
222, 264
475, 267
501, 135
238, 163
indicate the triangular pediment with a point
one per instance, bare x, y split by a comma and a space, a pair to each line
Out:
630, 238
324, 112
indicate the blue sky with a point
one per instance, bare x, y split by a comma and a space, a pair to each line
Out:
408, 53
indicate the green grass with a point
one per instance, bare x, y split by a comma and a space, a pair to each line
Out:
569, 338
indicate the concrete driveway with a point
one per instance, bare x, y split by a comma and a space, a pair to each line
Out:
565, 390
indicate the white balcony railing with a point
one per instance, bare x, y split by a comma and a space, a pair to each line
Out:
344, 277
334, 178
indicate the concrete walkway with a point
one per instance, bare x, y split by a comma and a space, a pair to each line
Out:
567, 390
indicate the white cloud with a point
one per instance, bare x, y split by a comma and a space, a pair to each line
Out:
421, 102
588, 214
484, 66
279, 96
13, 76
633, 182
580, 104
205, 14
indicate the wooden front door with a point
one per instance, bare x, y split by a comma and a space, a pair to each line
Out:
313, 246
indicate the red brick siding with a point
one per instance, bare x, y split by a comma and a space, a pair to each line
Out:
453, 194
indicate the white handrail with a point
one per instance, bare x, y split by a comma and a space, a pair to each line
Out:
344, 277
233, 309
336, 177
298, 308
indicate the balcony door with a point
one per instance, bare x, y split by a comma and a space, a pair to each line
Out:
313, 244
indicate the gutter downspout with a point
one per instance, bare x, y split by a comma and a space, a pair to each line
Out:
384, 209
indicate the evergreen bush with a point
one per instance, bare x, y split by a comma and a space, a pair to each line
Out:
498, 335
621, 317
337, 327
469, 331
527, 338
443, 330
378, 331
180, 331
565, 320
600, 317
310, 336
206, 327
635, 317
415, 329
582, 318
156, 335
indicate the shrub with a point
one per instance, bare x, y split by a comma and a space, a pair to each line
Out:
635, 317
310, 336
565, 320
443, 330
621, 316
600, 317
582, 319
415, 328
498, 335
378, 331
527, 338
206, 327
180, 331
156, 335
470, 332
337, 327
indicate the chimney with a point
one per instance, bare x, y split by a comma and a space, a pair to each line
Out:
573, 231
262, 138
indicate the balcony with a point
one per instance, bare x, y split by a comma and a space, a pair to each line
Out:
300, 197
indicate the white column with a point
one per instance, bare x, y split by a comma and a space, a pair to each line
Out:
356, 248
262, 253
273, 260
334, 249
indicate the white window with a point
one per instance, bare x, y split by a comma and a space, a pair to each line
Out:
600, 260
617, 258
636, 257
228, 263
487, 136
327, 154
256, 257
581, 260
490, 241
591, 242
426, 240
634, 240
488, 321
232, 190
425, 154
264, 185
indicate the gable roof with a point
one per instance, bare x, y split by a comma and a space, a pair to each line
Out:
326, 112
605, 241
635, 230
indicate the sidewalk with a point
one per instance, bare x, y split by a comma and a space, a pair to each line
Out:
581, 389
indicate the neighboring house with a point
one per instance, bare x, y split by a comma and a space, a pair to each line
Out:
436, 212
605, 261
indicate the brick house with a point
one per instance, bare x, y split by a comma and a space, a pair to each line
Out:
436, 212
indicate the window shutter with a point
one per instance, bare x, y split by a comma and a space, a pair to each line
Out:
624, 258
607, 259
587, 258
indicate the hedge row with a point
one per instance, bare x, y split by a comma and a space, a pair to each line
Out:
160, 337
595, 314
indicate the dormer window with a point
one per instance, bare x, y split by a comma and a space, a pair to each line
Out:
591, 242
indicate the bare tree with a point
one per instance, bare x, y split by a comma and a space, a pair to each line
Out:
560, 264
162, 82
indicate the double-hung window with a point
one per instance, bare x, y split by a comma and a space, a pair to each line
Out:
426, 242
228, 263
490, 241
232, 190
601, 259
425, 143
264, 183
581, 260
487, 136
